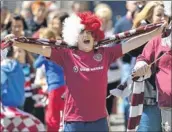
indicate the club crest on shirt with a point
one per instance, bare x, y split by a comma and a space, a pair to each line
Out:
75, 69
97, 57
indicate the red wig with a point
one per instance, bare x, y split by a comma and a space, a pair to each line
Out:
93, 24
78, 22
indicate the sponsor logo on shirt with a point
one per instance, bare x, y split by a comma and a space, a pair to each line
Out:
76, 69
97, 57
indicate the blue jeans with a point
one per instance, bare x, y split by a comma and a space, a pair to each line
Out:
150, 119
100, 125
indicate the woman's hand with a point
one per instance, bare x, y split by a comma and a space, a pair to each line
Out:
159, 30
140, 69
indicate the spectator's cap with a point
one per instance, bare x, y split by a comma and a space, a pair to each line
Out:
74, 24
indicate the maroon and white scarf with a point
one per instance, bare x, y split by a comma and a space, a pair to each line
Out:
136, 92
14, 119
61, 44
136, 106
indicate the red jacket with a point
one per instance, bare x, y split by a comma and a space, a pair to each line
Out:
151, 52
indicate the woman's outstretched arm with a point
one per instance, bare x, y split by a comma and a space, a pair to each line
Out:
140, 40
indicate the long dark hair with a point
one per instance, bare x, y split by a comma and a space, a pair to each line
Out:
17, 18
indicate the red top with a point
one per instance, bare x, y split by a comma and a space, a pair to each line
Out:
86, 79
163, 77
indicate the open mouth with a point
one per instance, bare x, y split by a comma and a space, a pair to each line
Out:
86, 41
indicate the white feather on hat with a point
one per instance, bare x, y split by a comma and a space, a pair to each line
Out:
71, 29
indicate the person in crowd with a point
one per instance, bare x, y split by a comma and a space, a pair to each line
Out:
54, 77
153, 12
12, 80
39, 12
85, 99
152, 51
26, 11
104, 12
56, 23
161, 70
79, 6
26, 62
12, 96
18, 26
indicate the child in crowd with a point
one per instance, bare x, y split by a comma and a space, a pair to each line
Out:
54, 76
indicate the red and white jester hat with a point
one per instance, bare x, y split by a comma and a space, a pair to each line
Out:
74, 24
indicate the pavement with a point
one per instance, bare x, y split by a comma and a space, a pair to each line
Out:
116, 120
117, 123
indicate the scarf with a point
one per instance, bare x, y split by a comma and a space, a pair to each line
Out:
13, 119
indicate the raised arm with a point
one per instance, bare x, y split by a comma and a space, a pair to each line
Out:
38, 49
140, 40
142, 66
